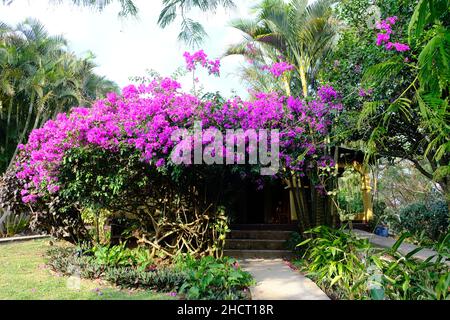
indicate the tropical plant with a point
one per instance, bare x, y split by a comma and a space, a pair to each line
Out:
209, 278
301, 34
39, 79
15, 216
335, 258
127, 7
192, 32
349, 268
143, 179
420, 104
12, 224
205, 278
164, 280
121, 256
428, 219
402, 277
349, 197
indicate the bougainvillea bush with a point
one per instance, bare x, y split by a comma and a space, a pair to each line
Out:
117, 155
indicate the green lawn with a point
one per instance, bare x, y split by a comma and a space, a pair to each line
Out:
24, 275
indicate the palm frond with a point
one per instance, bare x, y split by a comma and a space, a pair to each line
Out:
434, 62
426, 12
382, 72
192, 33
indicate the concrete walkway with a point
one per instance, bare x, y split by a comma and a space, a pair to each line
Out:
276, 281
404, 248
22, 238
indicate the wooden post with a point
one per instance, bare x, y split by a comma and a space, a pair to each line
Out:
366, 190
293, 211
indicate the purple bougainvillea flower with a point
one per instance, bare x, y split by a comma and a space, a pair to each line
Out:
280, 68
143, 118
385, 26
201, 58
400, 47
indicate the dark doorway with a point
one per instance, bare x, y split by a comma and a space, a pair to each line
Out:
269, 205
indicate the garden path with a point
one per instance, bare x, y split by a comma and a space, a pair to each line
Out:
404, 248
276, 281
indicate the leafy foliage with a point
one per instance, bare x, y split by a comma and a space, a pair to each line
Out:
349, 268
127, 7
405, 278
121, 256
192, 32
164, 280
430, 219
336, 261
39, 78
422, 102
396, 104
300, 33
11, 224
206, 278
209, 278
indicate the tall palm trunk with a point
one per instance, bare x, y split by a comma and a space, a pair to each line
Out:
25, 130
303, 80
8, 123
38, 117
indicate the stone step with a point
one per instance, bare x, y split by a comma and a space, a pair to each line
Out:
254, 244
265, 227
262, 254
259, 234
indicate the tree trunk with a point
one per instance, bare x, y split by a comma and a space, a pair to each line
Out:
302, 72
445, 185
24, 132
8, 123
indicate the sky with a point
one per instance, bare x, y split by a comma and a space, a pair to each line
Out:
127, 47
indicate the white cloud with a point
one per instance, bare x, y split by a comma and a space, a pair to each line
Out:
127, 47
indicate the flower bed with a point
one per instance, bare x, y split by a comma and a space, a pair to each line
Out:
184, 276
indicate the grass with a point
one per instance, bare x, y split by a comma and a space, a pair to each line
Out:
24, 276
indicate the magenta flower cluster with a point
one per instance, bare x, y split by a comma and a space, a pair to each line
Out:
143, 119
326, 162
365, 93
279, 68
384, 37
326, 93
200, 57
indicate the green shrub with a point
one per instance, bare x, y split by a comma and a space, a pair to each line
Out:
291, 243
210, 278
381, 215
69, 261
348, 268
166, 279
120, 256
335, 260
431, 219
405, 278
12, 224
206, 278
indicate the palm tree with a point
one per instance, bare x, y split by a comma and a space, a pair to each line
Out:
127, 7
192, 32
302, 34
38, 79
